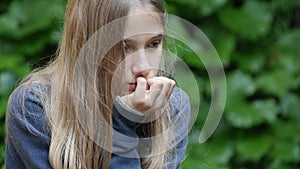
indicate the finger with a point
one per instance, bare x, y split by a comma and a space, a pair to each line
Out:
156, 86
169, 82
171, 87
156, 79
140, 90
165, 93
162, 99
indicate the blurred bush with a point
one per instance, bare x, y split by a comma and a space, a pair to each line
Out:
258, 43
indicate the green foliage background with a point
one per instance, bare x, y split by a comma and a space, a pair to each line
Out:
258, 43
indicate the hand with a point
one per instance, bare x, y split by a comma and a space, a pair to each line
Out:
144, 100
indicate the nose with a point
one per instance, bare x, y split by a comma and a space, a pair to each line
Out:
141, 65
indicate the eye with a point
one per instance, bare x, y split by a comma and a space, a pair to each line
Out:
155, 43
127, 48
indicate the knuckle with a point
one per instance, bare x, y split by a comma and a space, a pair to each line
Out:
142, 104
173, 83
160, 84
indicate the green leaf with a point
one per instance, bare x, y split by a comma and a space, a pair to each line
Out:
252, 21
253, 147
219, 151
289, 43
288, 62
192, 45
192, 84
290, 105
242, 115
250, 62
188, 56
278, 164
171, 9
2, 149
9, 21
7, 82
267, 109
247, 115
206, 8
15, 63
239, 85
286, 150
40, 18
8, 24
10, 61
179, 46
287, 129
194, 163
22, 20
225, 45
277, 82
3, 105
34, 43
215, 153
199, 7
223, 41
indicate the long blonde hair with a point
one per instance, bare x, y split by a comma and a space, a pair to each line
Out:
79, 112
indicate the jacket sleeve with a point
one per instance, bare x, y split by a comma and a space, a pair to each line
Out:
27, 134
125, 140
181, 115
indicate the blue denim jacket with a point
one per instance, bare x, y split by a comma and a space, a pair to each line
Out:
28, 136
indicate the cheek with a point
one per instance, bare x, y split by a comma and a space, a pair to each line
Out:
128, 61
154, 58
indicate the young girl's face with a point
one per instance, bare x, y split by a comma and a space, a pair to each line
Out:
142, 45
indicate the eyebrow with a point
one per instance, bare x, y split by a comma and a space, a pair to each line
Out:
128, 40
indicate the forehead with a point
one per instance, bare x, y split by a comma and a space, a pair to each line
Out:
140, 22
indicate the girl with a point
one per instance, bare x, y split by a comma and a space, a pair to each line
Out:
103, 102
